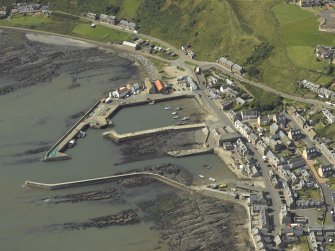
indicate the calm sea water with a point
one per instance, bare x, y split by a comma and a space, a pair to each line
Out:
38, 116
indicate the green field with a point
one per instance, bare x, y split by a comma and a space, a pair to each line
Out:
67, 25
30, 19
287, 13
129, 8
229, 28
310, 193
57, 22
100, 33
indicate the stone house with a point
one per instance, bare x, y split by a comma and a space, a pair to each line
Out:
310, 153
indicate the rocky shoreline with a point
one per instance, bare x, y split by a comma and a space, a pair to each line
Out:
126, 217
106, 194
158, 145
25, 63
198, 223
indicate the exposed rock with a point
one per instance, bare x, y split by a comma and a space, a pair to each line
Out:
126, 217
198, 223
107, 194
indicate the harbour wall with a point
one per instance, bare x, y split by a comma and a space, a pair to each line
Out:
156, 99
80, 124
107, 179
127, 136
46, 158
190, 152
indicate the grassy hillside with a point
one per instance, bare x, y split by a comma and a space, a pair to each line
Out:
231, 28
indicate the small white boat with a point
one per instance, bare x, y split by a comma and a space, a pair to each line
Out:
185, 118
201, 176
168, 108
175, 117
71, 143
178, 108
174, 113
211, 179
208, 167
81, 134
152, 102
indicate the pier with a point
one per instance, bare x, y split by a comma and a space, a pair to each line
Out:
190, 152
107, 179
204, 190
98, 116
134, 135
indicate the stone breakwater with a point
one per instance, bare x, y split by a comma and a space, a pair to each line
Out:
128, 136
190, 152
107, 179
98, 117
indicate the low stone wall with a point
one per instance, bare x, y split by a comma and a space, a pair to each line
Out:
127, 136
46, 158
107, 179
190, 152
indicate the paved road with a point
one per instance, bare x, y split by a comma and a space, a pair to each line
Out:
181, 61
327, 192
273, 193
208, 65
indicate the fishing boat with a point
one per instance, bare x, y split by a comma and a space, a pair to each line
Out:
168, 108
208, 167
174, 113
178, 108
175, 117
185, 118
152, 102
201, 176
81, 134
71, 143
211, 179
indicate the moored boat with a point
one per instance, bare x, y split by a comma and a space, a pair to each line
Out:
81, 134
71, 143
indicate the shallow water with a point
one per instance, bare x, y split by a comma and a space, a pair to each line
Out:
38, 116
145, 117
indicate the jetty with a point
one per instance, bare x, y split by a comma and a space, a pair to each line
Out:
107, 179
134, 135
99, 116
190, 152
203, 189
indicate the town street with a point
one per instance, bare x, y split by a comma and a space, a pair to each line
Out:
180, 61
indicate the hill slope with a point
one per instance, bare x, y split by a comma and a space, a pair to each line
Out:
287, 34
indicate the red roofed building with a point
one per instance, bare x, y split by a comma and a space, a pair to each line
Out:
121, 92
159, 86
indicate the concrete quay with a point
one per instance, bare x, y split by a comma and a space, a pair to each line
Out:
98, 116
55, 152
107, 179
190, 152
134, 135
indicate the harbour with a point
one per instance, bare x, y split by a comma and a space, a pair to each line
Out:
38, 121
